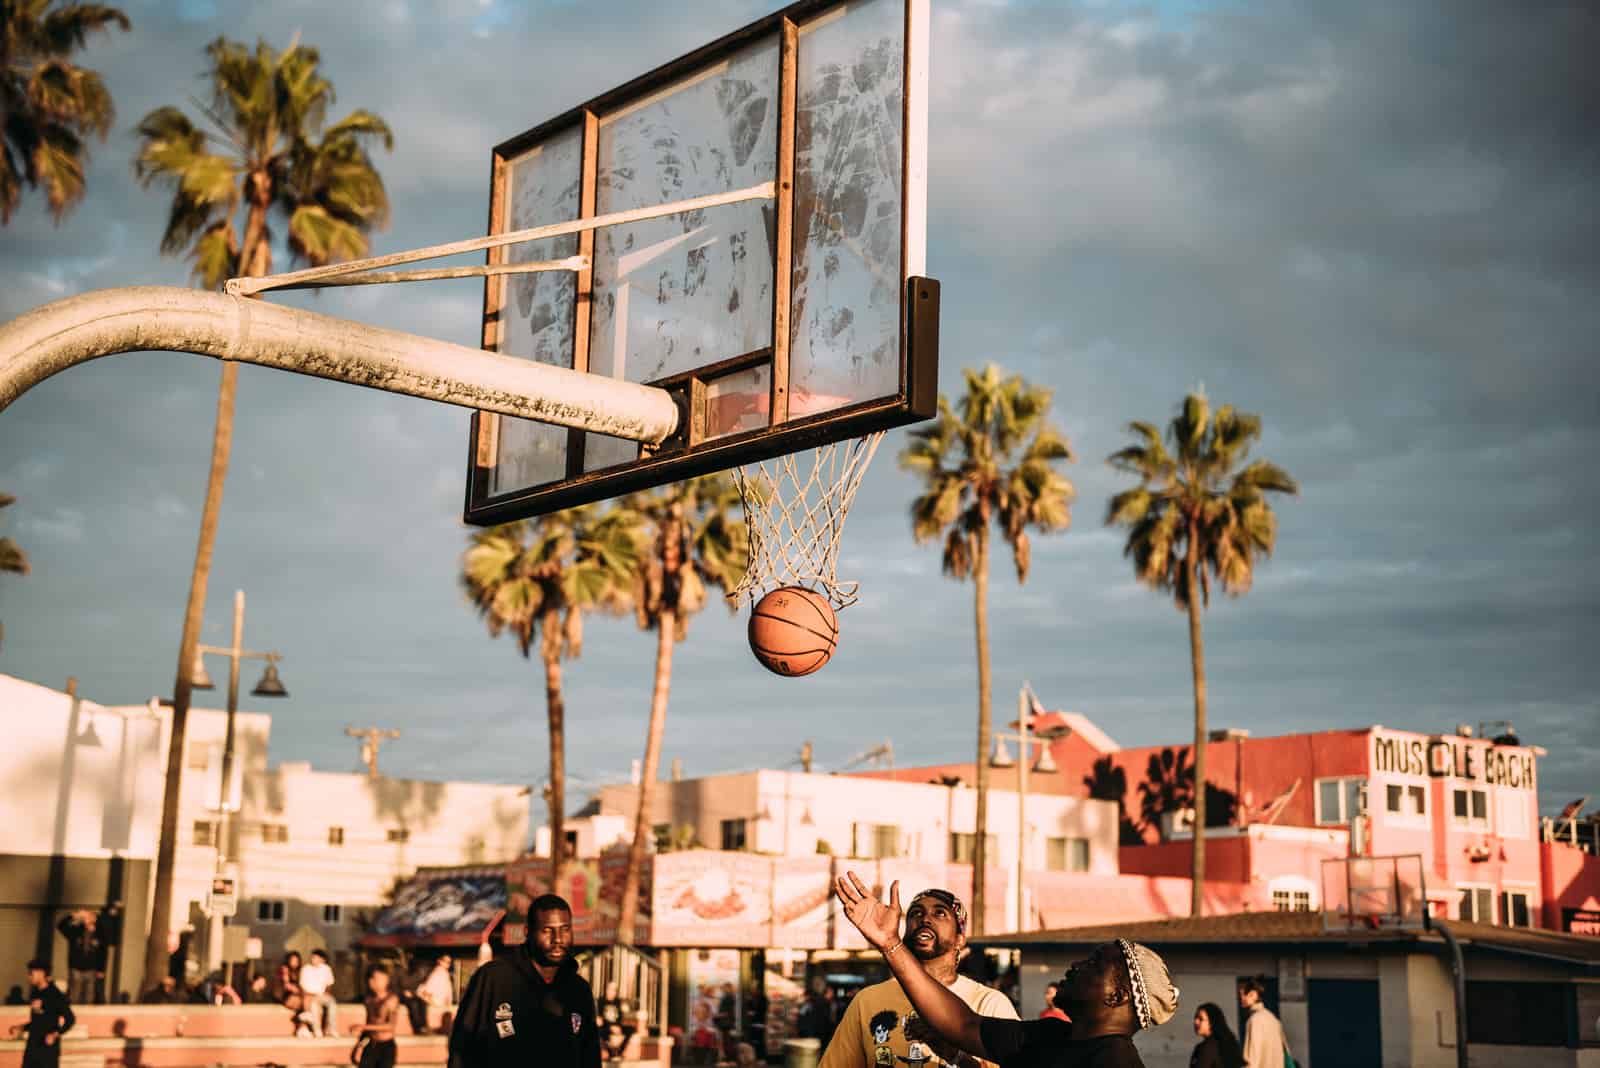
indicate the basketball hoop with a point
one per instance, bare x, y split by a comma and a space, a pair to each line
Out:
795, 511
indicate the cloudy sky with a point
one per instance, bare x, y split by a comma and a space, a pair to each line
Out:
1374, 224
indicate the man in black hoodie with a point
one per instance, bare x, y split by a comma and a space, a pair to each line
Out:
530, 1007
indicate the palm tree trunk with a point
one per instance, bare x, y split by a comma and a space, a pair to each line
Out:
666, 632
155, 954
556, 711
980, 851
1197, 659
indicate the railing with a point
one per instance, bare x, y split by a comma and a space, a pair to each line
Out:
638, 978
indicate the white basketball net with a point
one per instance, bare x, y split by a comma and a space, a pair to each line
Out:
795, 510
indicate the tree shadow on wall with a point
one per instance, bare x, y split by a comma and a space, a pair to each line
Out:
1168, 786
1107, 782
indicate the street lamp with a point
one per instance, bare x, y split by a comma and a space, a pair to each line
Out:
269, 686
1024, 737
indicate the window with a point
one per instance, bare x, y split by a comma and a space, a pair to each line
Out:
875, 840
1066, 854
1470, 805
735, 837
336, 836
269, 911
333, 915
1516, 908
205, 833
1339, 800
1512, 818
962, 847
1291, 900
1477, 904
1406, 803
275, 833
399, 834
1517, 1014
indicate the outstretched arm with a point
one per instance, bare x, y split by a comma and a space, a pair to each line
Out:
879, 924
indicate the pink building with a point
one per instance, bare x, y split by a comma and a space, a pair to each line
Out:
1278, 807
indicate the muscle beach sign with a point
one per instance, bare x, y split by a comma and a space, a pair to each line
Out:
1471, 760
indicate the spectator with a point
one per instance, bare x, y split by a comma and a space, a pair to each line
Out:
611, 1009
1264, 1041
437, 989
86, 955
50, 1017
316, 983
1217, 1047
755, 1020
286, 982
14, 996
415, 1007
219, 991
1050, 1011
166, 992
816, 1012
259, 992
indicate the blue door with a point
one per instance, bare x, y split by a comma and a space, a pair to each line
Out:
1344, 1024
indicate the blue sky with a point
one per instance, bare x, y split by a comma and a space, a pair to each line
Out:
1374, 225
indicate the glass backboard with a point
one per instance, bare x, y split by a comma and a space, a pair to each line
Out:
783, 320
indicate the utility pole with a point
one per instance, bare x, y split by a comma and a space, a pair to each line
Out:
371, 739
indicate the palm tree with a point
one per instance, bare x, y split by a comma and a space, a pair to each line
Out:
266, 151
1199, 513
698, 541
12, 558
535, 580
963, 461
48, 106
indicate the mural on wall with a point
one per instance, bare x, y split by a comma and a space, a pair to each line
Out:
593, 887
447, 909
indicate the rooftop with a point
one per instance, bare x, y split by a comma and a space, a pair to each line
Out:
1308, 927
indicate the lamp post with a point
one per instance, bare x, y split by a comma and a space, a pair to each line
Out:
269, 686
1024, 737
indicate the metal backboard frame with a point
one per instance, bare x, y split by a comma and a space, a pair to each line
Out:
739, 402
1374, 893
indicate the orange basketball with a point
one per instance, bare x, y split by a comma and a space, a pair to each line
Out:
793, 631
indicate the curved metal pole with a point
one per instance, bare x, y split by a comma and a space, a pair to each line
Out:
65, 333
1458, 973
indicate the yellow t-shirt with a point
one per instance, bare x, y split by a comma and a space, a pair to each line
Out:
873, 1031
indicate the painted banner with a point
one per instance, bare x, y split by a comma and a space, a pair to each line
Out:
704, 897
802, 889
593, 887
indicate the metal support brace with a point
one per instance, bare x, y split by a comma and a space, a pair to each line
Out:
68, 332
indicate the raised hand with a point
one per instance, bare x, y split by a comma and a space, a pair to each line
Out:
878, 923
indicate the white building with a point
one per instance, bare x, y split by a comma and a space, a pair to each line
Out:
312, 849
793, 813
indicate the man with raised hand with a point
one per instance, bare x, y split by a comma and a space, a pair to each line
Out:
532, 1007
1119, 989
880, 1028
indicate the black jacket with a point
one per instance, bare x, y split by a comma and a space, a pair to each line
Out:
86, 951
510, 1017
48, 1014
